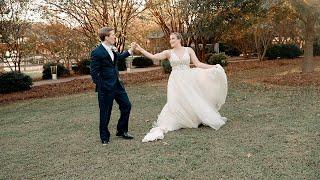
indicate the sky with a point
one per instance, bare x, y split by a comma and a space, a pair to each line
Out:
35, 16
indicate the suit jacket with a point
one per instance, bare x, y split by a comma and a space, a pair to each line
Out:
104, 71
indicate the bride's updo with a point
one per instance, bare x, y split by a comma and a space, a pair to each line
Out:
178, 35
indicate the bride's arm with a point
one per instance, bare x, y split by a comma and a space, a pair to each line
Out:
196, 61
159, 56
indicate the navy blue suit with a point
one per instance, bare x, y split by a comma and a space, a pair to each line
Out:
105, 75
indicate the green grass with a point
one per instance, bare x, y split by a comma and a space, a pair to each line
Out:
271, 133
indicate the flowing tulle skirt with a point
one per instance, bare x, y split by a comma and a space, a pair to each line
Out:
194, 97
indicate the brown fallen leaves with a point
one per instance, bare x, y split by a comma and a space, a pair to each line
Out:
249, 65
294, 79
78, 86
85, 85
287, 78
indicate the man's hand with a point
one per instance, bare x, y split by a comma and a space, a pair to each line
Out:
134, 45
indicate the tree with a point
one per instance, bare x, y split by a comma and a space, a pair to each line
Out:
286, 25
13, 27
57, 42
92, 15
264, 29
263, 23
309, 13
201, 22
168, 14
143, 27
240, 19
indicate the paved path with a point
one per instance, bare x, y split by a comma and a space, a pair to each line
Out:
45, 82
236, 60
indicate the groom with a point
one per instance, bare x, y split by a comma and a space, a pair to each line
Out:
104, 72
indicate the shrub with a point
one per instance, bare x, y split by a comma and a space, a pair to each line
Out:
273, 52
14, 81
316, 48
290, 51
219, 58
283, 51
229, 49
61, 70
122, 66
74, 68
83, 67
166, 66
207, 56
142, 62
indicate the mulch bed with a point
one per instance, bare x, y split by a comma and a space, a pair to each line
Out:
78, 86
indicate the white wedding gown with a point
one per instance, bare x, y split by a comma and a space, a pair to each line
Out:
194, 97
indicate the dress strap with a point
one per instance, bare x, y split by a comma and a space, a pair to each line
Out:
171, 53
185, 50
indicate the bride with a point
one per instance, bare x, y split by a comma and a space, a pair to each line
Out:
194, 96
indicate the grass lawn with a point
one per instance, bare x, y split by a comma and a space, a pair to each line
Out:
272, 132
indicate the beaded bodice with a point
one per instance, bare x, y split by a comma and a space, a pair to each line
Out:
180, 63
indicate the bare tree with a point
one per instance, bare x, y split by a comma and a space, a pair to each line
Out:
94, 14
263, 35
168, 14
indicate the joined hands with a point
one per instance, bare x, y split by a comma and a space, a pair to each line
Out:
135, 46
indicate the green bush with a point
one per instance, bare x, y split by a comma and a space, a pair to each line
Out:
83, 67
229, 49
62, 71
14, 81
219, 58
141, 62
316, 48
166, 66
74, 68
273, 52
207, 56
122, 66
283, 51
290, 51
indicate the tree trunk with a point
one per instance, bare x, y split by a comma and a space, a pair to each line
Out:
308, 64
264, 53
67, 61
19, 62
15, 67
19, 66
257, 43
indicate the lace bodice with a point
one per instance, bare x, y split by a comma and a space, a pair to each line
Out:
177, 63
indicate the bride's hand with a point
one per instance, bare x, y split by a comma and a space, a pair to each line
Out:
133, 45
138, 47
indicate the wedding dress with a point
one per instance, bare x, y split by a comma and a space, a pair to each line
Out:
194, 96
